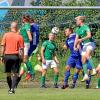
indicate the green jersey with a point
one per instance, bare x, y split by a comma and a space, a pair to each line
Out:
82, 32
23, 31
50, 49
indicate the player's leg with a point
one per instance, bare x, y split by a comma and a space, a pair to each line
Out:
43, 78
75, 77
78, 67
7, 65
84, 64
44, 70
14, 69
98, 76
69, 64
56, 73
89, 75
88, 81
30, 68
90, 49
9, 80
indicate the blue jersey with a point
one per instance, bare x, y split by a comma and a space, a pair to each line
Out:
35, 34
70, 44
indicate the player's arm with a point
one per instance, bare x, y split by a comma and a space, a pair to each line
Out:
29, 35
42, 55
3, 43
88, 34
76, 43
21, 46
28, 27
56, 59
86, 37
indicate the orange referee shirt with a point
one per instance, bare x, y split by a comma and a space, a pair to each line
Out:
12, 42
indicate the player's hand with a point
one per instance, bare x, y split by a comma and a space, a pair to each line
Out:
1, 60
79, 40
75, 48
43, 61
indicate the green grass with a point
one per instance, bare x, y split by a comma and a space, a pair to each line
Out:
51, 94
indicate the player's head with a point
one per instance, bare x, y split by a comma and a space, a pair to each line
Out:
51, 36
68, 31
25, 18
79, 20
31, 20
14, 26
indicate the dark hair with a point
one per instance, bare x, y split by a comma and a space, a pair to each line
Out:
26, 18
31, 20
70, 28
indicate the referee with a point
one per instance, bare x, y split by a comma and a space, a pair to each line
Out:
11, 43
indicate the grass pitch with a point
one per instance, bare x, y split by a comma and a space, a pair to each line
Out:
51, 94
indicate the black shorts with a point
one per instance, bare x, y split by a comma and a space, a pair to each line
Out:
12, 63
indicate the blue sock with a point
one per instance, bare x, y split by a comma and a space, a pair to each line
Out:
67, 74
88, 81
75, 77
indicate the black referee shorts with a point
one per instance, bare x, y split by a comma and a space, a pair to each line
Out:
12, 63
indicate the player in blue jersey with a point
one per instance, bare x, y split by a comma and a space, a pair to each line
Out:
74, 60
35, 36
33, 45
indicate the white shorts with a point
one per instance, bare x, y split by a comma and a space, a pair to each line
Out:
88, 46
51, 63
26, 48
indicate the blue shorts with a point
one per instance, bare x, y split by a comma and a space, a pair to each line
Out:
74, 62
31, 49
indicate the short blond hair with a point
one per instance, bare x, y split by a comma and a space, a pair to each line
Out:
80, 18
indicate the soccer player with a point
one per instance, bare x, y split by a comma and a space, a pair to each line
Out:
33, 44
98, 76
35, 36
11, 43
84, 37
25, 31
48, 54
74, 60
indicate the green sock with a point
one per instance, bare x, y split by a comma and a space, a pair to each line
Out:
29, 67
98, 80
42, 80
56, 78
85, 68
91, 62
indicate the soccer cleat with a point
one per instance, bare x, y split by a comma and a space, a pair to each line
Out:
97, 87
64, 86
11, 92
32, 77
56, 85
87, 86
94, 72
43, 86
28, 76
72, 86
85, 78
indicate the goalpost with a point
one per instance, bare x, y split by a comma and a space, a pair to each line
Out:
50, 16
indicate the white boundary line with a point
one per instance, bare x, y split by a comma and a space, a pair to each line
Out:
50, 7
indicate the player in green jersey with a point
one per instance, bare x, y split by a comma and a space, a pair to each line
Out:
84, 37
48, 54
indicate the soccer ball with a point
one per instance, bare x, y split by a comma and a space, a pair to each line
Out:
37, 67
55, 30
